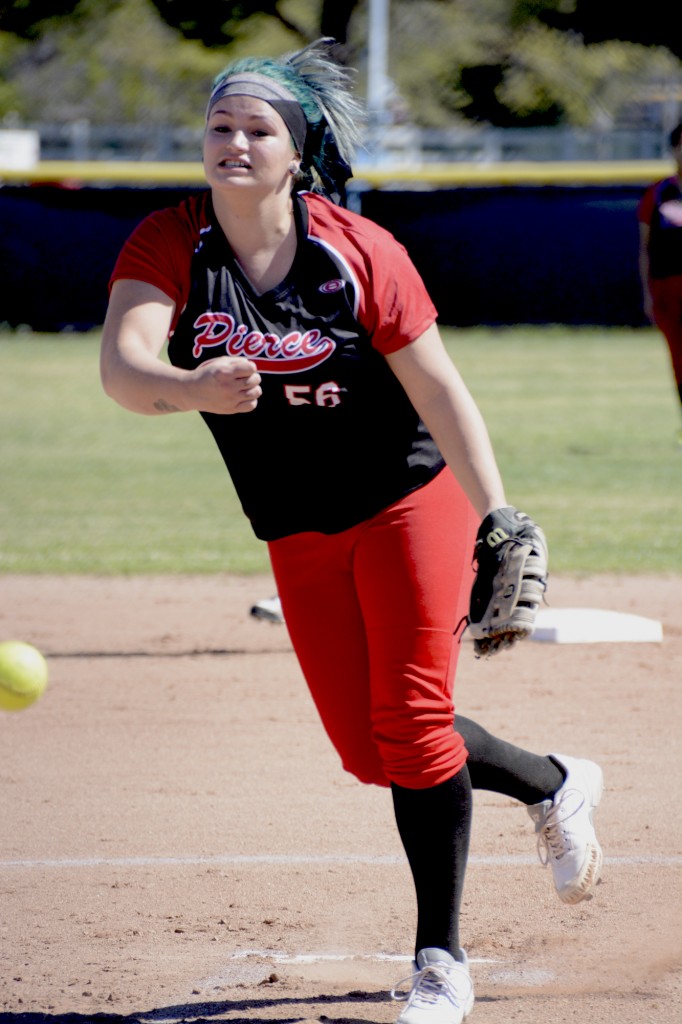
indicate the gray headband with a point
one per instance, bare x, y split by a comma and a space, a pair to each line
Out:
262, 87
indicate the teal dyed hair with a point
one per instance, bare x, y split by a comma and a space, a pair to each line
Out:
323, 89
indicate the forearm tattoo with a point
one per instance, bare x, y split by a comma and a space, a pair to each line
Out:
161, 405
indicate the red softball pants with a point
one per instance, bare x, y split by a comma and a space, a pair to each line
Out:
666, 296
372, 613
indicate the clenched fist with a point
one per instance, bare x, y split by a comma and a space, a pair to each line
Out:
225, 385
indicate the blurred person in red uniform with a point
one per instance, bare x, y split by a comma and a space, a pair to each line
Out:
660, 257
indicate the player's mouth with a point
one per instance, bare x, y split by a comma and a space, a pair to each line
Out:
239, 164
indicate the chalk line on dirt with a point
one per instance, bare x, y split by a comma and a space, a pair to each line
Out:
248, 963
504, 860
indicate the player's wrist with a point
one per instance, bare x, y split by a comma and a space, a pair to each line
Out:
183, 393
496, 507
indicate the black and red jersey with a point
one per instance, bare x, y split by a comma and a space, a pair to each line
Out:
661, 208
334, 439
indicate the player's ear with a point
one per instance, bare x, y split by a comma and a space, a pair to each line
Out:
295, 163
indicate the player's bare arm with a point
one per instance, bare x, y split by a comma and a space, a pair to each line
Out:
446, 406
134, 375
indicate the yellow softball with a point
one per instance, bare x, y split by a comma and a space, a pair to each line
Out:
23, 675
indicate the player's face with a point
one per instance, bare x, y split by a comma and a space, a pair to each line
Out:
247, 145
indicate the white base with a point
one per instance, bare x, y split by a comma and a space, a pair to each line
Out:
594, 625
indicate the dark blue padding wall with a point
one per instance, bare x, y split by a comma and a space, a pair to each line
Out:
58, 246
489, 256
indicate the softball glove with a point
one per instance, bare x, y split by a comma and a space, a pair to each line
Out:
510, 557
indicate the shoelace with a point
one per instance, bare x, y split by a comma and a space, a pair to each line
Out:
427, 986
551, 842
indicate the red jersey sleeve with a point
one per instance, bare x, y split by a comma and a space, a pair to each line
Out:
398, 308
646, 205
159, 252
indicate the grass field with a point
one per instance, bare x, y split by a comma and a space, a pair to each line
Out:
584, 423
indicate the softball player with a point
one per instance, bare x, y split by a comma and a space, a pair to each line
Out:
660, 257
304, 336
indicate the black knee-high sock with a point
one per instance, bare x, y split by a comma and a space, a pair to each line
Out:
501, 767
434, 826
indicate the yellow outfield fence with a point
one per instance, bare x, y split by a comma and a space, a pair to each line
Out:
615, 172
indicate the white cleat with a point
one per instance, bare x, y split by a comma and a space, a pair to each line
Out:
565, 829
441, 992
268, 610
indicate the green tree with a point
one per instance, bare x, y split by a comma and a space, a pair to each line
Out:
501, 62
216, 24
27, 18
601, 21
115, 63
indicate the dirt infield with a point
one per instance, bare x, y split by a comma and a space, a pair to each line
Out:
179, 843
